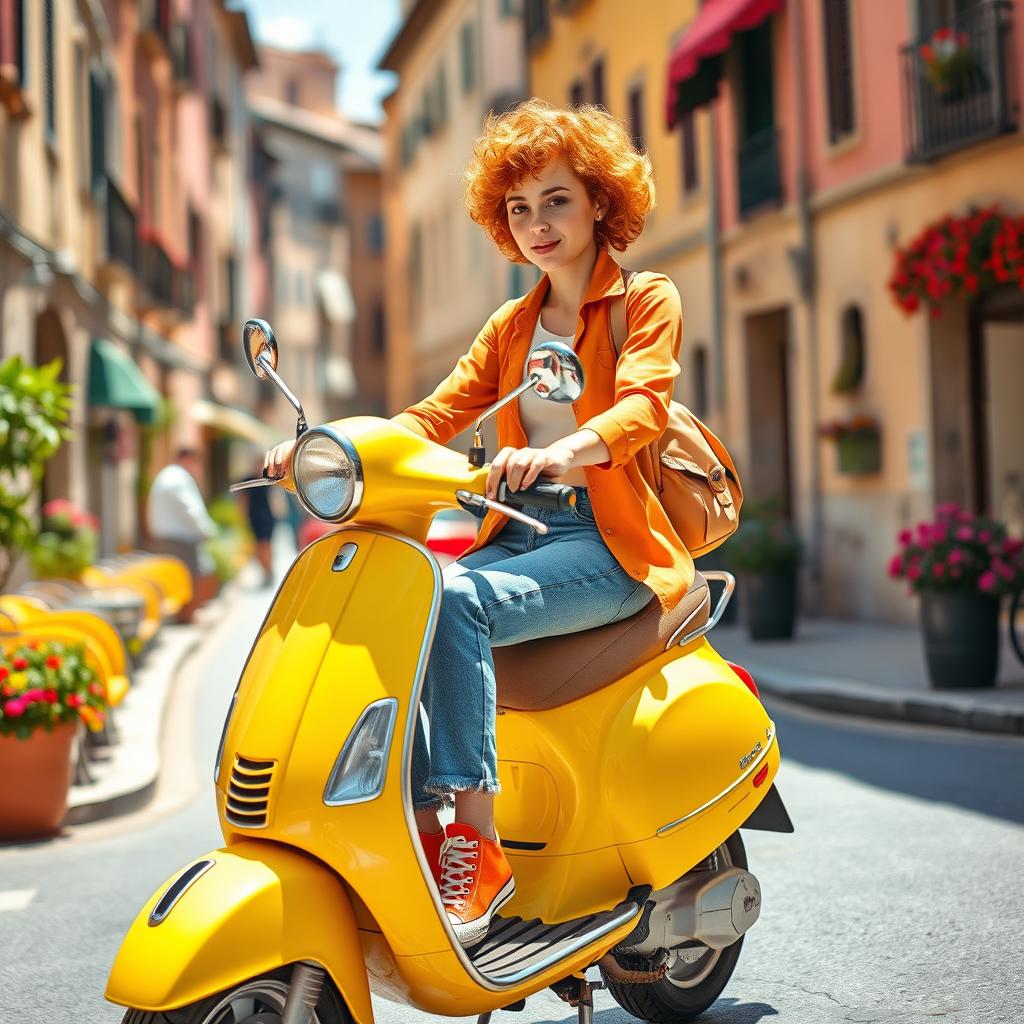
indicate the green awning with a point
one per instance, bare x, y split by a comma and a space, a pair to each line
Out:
115, 381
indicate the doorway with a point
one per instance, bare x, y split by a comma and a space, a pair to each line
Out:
769, 475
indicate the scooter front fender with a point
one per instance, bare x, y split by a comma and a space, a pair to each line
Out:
258, 906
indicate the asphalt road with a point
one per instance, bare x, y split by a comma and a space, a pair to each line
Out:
898, 899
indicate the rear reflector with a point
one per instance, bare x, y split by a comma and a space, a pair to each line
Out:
760, 777
746, 677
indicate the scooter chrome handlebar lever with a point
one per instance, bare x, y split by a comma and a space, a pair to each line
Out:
479, 501
260, 481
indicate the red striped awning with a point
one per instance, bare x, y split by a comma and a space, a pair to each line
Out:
695, 67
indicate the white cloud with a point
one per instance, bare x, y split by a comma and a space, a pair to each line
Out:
288, 33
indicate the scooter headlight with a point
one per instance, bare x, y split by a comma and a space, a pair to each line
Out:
328, 474
359, 772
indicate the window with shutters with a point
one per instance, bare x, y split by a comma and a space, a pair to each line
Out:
597, 82
839, 68
538, 23
49, 73
97, 129
636, 116
688, 144
576, 94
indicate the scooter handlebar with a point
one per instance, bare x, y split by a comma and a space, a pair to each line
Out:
560, 497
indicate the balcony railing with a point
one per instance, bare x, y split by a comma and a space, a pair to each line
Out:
759, 176
956, 89
157, 272
119, 223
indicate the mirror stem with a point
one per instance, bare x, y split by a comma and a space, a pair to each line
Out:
273, 376
477, 454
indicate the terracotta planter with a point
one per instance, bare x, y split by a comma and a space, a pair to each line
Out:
34, 778
961, 639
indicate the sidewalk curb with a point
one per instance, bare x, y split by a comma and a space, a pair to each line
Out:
954, 710
132, 791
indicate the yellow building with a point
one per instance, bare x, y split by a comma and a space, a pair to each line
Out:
807, 142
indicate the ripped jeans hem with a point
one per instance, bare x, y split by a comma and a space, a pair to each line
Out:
446, 785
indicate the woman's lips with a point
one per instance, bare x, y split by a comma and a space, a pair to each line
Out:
547, 247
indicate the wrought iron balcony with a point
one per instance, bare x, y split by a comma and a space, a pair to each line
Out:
760, 180
119, 225
956, 86
157, 272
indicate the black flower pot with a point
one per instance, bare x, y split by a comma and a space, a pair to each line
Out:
769, 603
961, 639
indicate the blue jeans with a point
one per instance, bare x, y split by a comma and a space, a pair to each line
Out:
519, 587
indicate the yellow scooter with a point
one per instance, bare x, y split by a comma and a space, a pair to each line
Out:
631, 755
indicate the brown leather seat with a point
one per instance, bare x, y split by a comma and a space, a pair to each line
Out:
555, 670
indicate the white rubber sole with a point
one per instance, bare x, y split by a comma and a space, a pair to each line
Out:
473, 931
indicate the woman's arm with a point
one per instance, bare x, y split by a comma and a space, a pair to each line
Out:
522, 466
645, 372
467, 392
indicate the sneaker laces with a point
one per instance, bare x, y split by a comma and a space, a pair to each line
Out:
458, 867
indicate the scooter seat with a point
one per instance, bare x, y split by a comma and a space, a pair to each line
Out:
556, 670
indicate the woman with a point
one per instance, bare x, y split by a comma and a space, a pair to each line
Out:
554, 188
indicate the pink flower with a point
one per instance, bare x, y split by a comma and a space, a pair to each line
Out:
955, 556
32, 695
964, 533
924, 532
1012, 546
984, 536
906, 536
988, 582
947, 510
1004, 570
14, 708
913, 571
938, 570
895, 567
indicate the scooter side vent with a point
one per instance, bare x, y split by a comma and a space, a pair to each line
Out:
248, 795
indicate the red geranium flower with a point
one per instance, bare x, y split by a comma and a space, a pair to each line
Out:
4, 672
20, 664
74, 700
53, 661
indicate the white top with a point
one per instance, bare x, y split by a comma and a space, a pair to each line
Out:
546, 421
175, 509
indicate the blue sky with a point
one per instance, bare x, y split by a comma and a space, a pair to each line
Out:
353, 32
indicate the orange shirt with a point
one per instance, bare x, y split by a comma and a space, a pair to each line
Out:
625, 402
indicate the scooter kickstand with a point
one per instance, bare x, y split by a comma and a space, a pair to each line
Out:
585, 1006
484, 1018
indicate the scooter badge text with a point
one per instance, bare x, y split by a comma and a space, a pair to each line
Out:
747, 758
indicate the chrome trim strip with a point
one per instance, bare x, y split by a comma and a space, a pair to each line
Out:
392, 702
573, 947
665, 829
177, 889
730, 585
346, 445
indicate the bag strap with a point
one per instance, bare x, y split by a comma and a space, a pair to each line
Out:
617, 312
620, 331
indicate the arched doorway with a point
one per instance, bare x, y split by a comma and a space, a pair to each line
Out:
51, 343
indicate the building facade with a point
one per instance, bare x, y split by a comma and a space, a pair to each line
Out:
123, 181
456, 61
795, 148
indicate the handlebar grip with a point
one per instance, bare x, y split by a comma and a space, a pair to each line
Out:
560, 497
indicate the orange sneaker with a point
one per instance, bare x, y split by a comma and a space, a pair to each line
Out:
432, 843
476, 881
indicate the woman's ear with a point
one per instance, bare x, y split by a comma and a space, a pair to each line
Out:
602, 208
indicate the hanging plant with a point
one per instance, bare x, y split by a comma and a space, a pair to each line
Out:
959, 256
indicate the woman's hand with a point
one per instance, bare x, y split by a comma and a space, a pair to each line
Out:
520, 467
277, 463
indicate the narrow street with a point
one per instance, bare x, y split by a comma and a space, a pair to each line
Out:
896, 900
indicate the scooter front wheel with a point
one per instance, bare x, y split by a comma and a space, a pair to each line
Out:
695, 977
256, 1001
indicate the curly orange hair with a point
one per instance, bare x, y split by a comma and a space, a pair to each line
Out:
521, 141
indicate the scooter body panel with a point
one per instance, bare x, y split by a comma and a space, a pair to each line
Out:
614, 769
260, 906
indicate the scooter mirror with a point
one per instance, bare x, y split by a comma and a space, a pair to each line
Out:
258, 341
556, 372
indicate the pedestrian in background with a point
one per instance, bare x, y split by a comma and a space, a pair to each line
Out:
262, 521
179, 522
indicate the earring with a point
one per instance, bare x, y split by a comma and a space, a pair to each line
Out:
599, 216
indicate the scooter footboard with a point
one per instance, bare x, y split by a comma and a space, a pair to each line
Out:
231, 915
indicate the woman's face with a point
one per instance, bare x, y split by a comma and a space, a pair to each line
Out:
551, 216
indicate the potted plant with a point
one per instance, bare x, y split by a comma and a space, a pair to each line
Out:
961, 565
66, 544
858, 444
766, 552
949, 63
34, 408
46, 691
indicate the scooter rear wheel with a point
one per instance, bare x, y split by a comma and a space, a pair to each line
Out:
689, 987
256, 1001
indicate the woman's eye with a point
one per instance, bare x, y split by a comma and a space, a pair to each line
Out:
557, 200
517, 209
